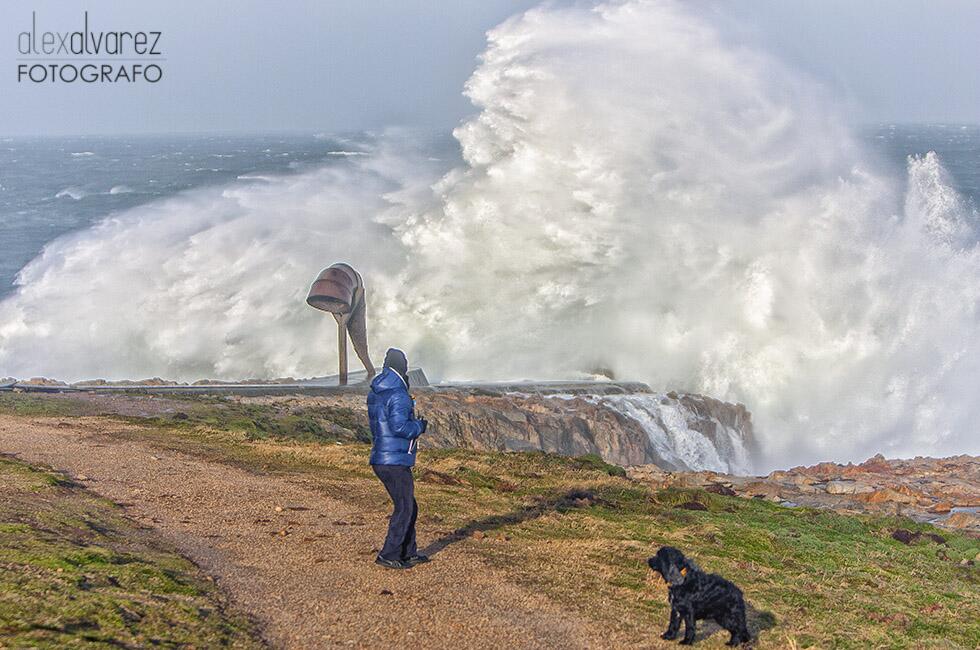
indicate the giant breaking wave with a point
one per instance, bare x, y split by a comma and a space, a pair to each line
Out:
639, 193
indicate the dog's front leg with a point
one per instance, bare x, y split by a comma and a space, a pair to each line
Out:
689, 625
672, 627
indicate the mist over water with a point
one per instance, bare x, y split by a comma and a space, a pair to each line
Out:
639, 194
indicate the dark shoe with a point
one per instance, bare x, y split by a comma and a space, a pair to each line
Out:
416, 559
391, 564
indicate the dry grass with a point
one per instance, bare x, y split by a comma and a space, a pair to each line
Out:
575, 530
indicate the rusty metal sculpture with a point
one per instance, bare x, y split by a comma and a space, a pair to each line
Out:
339, 290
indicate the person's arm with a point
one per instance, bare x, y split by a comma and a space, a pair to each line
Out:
400, 418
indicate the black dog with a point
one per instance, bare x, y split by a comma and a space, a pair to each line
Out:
695, 595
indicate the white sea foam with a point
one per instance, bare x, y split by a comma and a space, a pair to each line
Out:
639, 194
72, 193
674, 431
120, 189
82, 154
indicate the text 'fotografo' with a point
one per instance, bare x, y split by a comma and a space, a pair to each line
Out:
88, 56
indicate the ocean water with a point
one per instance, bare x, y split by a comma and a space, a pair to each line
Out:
719, 228
956, 145
52, 186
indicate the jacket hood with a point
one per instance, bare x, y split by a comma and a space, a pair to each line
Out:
387, 380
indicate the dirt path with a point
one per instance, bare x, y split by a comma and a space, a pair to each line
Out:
316, 585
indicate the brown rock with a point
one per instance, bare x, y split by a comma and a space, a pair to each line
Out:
887, 494
44, 381
575, 426
963, 521
848, 487
762, 489
877, 463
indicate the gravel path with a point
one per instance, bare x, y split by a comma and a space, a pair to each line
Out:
300, 562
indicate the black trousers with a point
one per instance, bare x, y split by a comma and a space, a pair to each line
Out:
398, 481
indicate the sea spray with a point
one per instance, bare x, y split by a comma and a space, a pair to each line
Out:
683, 438
639, 194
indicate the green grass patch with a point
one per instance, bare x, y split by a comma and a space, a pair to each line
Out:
594, 462
38, 405
317, 424
73, 571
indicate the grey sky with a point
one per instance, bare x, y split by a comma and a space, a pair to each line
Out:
329, 65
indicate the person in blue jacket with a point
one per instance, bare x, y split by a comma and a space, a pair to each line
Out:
395, 431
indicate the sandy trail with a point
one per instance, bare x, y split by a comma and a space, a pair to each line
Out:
316, 586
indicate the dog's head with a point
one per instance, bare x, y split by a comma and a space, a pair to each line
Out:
672, 566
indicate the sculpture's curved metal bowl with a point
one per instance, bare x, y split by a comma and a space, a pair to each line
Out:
333, 290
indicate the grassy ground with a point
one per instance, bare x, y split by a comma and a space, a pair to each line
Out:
579, 531
30, 404
74, 572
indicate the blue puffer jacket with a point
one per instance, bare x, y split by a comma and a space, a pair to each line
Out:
394, 429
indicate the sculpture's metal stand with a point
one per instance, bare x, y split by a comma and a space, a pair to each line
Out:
339, 290
354, 323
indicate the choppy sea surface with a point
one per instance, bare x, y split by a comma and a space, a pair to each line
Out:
52, 186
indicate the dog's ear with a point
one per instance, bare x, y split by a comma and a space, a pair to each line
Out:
689, 565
